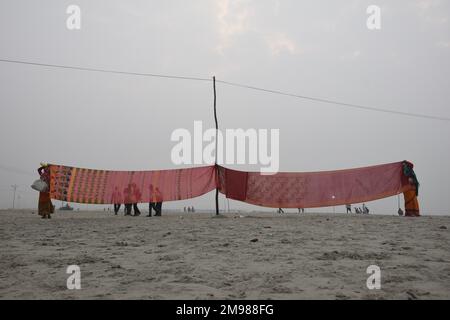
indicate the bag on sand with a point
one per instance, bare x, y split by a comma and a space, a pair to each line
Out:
40, 185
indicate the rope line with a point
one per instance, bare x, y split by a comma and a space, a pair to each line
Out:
234, 84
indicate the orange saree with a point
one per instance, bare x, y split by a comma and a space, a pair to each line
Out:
45, 206
411, 203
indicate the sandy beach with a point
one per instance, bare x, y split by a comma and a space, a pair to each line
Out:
235, 256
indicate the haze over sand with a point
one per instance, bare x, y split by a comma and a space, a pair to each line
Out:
195, 256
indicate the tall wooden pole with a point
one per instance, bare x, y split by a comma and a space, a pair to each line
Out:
217, 134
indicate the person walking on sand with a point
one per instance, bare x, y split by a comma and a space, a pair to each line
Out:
45, 206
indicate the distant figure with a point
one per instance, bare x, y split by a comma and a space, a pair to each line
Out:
348, 207
193, 209
357, 210
400, 212
301, 210
280, 211
45, 206
365, 210
184, 209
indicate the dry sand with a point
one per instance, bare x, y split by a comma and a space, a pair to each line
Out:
196, 256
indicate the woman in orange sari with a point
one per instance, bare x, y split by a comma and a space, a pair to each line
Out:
411, 202
45, 206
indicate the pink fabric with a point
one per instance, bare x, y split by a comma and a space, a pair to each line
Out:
282, 190
106, 187
316, 189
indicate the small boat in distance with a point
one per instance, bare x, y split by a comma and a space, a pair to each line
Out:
66, 207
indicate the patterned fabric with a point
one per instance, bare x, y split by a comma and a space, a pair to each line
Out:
113, 187
281, 190
315, 189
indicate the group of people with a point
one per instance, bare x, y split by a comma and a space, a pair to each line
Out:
363, 210
132, 194
300, 210
359, 210
189, 209
157, 206
348, 207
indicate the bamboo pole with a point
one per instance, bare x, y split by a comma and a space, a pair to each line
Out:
217, 134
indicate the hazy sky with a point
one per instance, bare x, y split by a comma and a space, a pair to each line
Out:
315, 48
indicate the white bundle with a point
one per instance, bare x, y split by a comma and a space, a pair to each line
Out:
40, 185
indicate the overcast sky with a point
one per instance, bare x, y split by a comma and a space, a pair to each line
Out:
315, 48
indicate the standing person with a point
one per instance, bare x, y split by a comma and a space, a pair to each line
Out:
116, 199
45, 206
156, 203
348, 207
411, 201
132, 195
127, 200
136, 196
